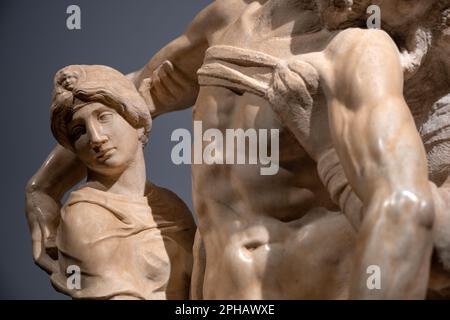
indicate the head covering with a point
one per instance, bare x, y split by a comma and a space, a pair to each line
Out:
76, 86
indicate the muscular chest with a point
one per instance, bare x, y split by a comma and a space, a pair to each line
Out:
238, 92
239, 71
223, 109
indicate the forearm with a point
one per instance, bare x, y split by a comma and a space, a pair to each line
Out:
60, 172
396, 239
388, 239
168, 82
391, 179
384, 161
172, 72
185, 53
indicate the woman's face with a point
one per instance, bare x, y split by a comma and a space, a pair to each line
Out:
102, 139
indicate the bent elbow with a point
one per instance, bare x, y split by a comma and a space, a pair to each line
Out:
410, 209
32, 186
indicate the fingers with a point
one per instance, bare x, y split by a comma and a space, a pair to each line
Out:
46, 263
49, 242
36, 238
161, 87
40, 257
144, 90
134, 76
43, 243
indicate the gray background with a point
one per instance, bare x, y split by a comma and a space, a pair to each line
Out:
34, 44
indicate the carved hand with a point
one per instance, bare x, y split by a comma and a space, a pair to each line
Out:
43, 216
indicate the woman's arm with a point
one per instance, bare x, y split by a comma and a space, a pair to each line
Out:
60, 172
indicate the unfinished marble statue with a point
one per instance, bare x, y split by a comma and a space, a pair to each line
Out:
129, 238
353, 189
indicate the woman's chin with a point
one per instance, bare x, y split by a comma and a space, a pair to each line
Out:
108, 167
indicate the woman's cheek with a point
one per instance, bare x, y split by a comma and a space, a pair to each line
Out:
82, 149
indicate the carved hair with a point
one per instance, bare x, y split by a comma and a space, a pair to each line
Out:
341, 14
439, 15
76, 86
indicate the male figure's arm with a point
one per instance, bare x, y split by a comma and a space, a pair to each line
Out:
384, 160
169, 80
379, 149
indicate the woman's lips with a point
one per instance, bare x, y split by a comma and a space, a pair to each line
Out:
106, 154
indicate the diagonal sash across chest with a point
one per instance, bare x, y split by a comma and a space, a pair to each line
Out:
291, 86
245, 70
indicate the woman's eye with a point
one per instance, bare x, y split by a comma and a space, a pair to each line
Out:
105, 116
77, 132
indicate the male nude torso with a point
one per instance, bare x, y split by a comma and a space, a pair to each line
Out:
279, 236
269, 237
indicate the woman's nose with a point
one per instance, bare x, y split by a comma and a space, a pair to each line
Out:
96, 136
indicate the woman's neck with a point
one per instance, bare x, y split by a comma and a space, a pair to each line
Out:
130, 182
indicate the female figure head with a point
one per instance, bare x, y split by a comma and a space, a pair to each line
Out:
98, 114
